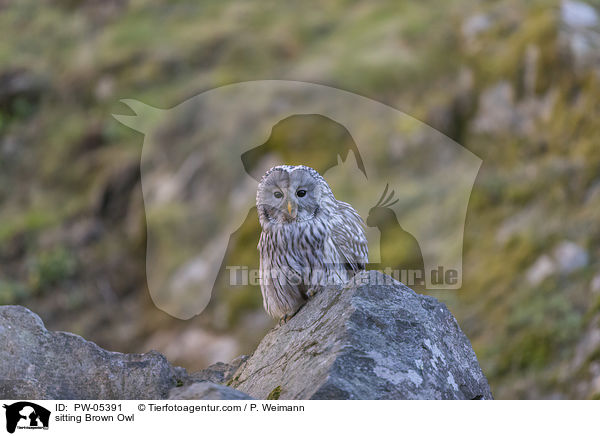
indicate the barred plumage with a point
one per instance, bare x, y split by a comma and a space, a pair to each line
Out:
309, 239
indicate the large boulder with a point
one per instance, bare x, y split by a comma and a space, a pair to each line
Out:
39, 364
376, 339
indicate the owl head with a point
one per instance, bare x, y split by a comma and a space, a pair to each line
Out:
288, 194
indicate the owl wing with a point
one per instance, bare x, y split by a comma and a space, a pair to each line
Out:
348, 234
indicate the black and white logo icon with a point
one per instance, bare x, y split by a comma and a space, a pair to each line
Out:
26, 415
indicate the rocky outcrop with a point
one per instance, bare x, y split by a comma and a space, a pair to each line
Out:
375, 339
39, 364
206, 390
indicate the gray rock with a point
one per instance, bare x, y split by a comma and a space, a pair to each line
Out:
38, 364
578, 14
499, 111
595, 284
579, 35
475, 25
378, 340
219, 372
496, 111
566, 258
207, 391
543, 267
570, 257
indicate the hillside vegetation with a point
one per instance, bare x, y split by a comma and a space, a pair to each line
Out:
516, 83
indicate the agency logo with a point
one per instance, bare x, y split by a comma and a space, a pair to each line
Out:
26, 415
203, 159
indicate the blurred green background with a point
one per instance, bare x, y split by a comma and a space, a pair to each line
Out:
516, 83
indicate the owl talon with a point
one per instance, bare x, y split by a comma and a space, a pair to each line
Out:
285, 318
311, 293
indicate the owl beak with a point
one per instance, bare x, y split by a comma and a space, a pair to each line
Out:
292, 209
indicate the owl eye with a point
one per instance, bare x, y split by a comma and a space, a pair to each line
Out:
278, 194
301, 193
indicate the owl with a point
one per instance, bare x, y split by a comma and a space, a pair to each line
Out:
309, 239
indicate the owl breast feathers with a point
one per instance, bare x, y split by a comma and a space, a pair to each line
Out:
309, 239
